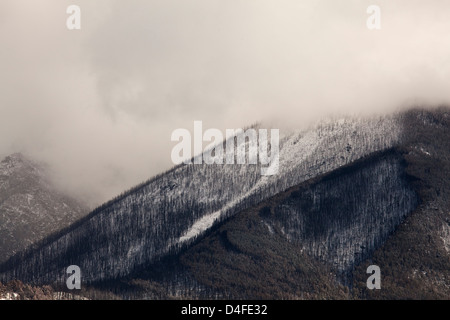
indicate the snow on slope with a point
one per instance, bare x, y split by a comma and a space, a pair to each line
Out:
329, 145
29, 207
174, 208
305, 147
199, 226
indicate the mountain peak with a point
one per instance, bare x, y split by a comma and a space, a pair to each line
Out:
30, 206
15, 160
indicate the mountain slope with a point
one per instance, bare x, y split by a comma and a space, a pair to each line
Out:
415, 262
249, 257
30, 208
154, 219
301, 243
349, 193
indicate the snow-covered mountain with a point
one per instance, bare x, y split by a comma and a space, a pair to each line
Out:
171, 210
30, 207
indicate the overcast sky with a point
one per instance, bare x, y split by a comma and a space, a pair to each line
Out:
99, 104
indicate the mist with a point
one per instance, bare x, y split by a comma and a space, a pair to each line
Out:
99, 104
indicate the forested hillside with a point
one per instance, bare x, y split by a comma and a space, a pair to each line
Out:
349, 193
248, 256
343, 217
154, 219
415, 261
30, 206
301, 243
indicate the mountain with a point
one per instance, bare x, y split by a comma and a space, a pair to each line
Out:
348, 193
30, 207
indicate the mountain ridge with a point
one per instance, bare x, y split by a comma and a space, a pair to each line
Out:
30, 206
337, 146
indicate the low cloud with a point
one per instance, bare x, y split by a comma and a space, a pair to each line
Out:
99, 104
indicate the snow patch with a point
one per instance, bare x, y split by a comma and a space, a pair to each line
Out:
445, 236
200, 226
421, 149
134, 250
424, 151
269, 227
9, 296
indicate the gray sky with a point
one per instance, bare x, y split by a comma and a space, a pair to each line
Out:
99, 104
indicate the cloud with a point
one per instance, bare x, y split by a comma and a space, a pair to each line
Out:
99, 104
